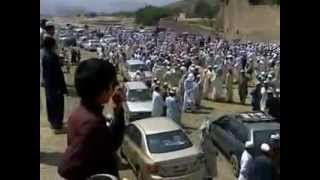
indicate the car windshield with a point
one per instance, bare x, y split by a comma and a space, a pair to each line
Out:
168, 142
139, 95
93, 41
136, 67
263, 136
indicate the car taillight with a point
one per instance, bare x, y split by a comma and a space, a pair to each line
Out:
151, 168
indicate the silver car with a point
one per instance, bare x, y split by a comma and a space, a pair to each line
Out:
158, 148
138, 103
132, 66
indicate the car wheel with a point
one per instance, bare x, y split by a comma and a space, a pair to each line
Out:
235, 165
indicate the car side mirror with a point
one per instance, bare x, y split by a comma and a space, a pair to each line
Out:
249, 144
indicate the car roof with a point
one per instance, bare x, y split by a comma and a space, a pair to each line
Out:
156, 125
263, 126
136, 85
252, 117
135, 61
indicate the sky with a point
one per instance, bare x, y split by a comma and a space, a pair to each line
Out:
58, 6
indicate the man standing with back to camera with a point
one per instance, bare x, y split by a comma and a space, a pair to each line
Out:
54, 84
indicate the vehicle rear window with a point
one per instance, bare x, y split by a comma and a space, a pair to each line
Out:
139, 95
168, 142
263, 136
136, 67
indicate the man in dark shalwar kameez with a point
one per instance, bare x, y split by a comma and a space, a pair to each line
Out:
54, 83
243, 87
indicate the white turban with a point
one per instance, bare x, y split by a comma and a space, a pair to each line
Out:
265, 147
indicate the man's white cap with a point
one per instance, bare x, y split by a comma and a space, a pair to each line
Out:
275, 136
248, 144
277, 90
49, 23
270, 90
265, 147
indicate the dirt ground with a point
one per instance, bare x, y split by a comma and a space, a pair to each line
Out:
52, 146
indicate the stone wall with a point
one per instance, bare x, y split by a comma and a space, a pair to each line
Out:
252, 22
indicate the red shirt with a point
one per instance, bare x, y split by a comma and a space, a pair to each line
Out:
92, 145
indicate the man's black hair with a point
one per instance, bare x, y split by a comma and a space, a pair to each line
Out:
157, 88
43, 22
49, 42
93, 76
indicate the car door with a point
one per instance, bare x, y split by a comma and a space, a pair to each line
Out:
239, 135
218, 134
132, 146
223, 135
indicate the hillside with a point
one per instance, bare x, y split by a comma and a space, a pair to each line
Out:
188, 6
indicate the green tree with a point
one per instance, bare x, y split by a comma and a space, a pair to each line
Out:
203, 9
151, 15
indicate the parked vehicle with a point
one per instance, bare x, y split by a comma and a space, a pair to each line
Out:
158, 148
91, 45
138, 104
132, 66
231, 132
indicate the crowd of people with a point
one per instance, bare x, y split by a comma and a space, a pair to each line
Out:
192, 68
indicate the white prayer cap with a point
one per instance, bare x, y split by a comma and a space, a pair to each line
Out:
263, 73
270, 90
270, 76
215, 66
49, 23
277, 90
183, 68
265, 147
275, 136
190, 76
248, 144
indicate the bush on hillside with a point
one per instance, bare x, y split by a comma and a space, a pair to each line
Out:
150, 15
204, 10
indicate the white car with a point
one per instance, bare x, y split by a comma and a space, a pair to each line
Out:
91, 45
138, 101
132, 66
158, 148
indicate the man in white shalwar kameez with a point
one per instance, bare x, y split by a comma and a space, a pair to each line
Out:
157, 103
206, 81
188, 98
264, 96
218, 93
245, 158
173, 107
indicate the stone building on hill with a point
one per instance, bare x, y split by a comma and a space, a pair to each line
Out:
251, 19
